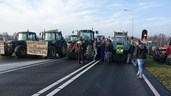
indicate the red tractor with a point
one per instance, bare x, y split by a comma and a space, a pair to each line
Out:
163, 54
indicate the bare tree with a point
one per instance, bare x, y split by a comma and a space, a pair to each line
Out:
160, 39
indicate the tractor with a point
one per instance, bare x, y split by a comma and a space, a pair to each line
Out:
88, 38
163, 54
119, 43
150, 46
18, 46
56, 43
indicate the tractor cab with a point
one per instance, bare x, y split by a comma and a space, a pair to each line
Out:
22, 36
87, 35
52, 35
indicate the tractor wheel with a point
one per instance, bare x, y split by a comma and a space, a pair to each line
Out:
168, 59
52, 52
163, 59
71, 55
63, 50
89, 52
20, 51
110, 57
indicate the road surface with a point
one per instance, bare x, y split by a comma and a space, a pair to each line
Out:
63, 77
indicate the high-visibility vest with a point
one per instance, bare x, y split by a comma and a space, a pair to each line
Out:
128, 45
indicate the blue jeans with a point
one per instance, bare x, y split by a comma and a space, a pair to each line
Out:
106, 56
102, 55
95, 54
140, 67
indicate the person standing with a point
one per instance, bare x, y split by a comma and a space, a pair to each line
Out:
108, 49
131, 48
80, 45
129, 51
141, 53
95, 47
102, 50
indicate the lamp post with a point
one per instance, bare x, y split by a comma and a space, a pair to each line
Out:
132, 20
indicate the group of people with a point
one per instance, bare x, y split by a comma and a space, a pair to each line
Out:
139, 52
105, 47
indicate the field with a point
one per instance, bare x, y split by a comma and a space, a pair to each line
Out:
161, 72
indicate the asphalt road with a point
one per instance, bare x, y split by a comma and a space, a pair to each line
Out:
12, 59
107, 79
99, 79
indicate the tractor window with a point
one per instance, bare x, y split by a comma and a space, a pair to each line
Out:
22, 36
31, 37
86, 35
119, 39
49, 36
73, 38
58, 37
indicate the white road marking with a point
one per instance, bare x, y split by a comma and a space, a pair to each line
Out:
151, 86
71, 80
19, 66
59, 81
149, 83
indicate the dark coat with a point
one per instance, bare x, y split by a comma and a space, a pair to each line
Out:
141, 52
102, 47
131, 49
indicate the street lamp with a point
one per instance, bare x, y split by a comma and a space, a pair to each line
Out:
132, 20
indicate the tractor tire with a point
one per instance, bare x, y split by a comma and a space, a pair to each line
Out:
63, 50
168, 60
89, 52
109, 57
70, 55
20, 51
52, 52
163, 59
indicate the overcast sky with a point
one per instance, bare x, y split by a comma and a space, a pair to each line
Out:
106, 16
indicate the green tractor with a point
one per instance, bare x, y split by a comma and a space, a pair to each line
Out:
88, 38
18, 46
56, 43
119, 47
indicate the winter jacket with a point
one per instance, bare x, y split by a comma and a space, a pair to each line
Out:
131, 49
141, 52
102, 47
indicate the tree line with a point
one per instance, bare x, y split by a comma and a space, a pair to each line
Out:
161, 39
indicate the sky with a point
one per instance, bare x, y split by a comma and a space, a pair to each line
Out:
106, 16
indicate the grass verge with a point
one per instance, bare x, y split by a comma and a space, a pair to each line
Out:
161, 72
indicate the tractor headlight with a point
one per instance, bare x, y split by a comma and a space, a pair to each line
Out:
9, 44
